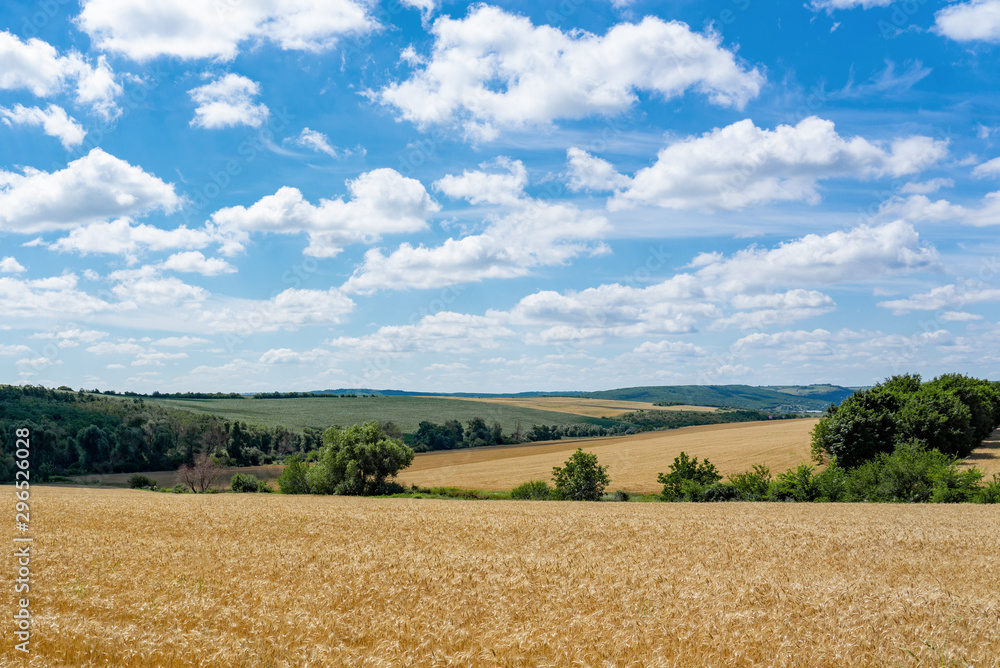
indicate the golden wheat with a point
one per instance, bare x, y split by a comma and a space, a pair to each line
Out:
580, 406
135, 579
633, 461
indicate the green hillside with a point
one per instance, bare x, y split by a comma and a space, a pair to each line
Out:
787, 398
406, 411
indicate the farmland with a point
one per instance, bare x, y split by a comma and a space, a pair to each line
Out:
583, 406
633, 461
407, 412
132, 579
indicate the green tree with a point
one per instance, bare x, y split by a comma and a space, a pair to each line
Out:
294, 478
683, 471
359, 461
939, 420
863, 426
581, 478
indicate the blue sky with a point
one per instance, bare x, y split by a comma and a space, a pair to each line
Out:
247, 195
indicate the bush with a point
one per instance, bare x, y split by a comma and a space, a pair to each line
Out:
911, 473
990, 492
581, 479
753, 485
721, 491
293, 480
359, 462
140, 481
536, 490
621, 495
247, 483
796, 485
687, 470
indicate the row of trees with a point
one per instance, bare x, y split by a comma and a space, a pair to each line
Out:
952, 414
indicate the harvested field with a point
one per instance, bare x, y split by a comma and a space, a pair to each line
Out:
987, 456
634, 461
135, 579
585, 407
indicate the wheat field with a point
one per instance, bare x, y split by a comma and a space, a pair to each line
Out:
134, 579
581, 406
634, 461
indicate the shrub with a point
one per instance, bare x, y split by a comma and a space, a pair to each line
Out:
831, 484
247, 483
140, 481
990, 492
293, 480
536, 490
753, 485
687, 469
621, 495
797, 484
910, 473
581, 478
720, 491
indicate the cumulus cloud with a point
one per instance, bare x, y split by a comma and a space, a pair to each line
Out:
530, 233
189, 29
317, 141
382, 202
10, 265
587, 172
228, 102
977, 20
288, 310
95, 187
947, 297
53, 120
920, 208
990, 168
494, 70
36, 66
444, 332
742, 165
124, 237
55, 297
194, 262
144, 287
742, 289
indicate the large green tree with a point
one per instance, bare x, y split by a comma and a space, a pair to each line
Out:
358, 461
581, 478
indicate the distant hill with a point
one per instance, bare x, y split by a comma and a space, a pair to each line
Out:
768, 398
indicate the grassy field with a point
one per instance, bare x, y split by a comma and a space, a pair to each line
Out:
634, 461
407, 412
134, 579
586, 407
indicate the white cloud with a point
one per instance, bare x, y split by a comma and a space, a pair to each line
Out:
494, 70
382, 202
959, 316
71, 338
920, 208
587, 172
10, 265
288, 310
830, 5
122, 237
532, 233
990, 168
745, 283
56, 297
180, 341
947, 297
95, 187
316, 141
741, 165
444, 332
190, 29
926, 187
228, 102
482, 187
977, 20
143, 287
54, 121
859, 254
289, 356
36, 66
196, 263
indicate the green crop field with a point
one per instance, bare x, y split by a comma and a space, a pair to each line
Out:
407, 412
